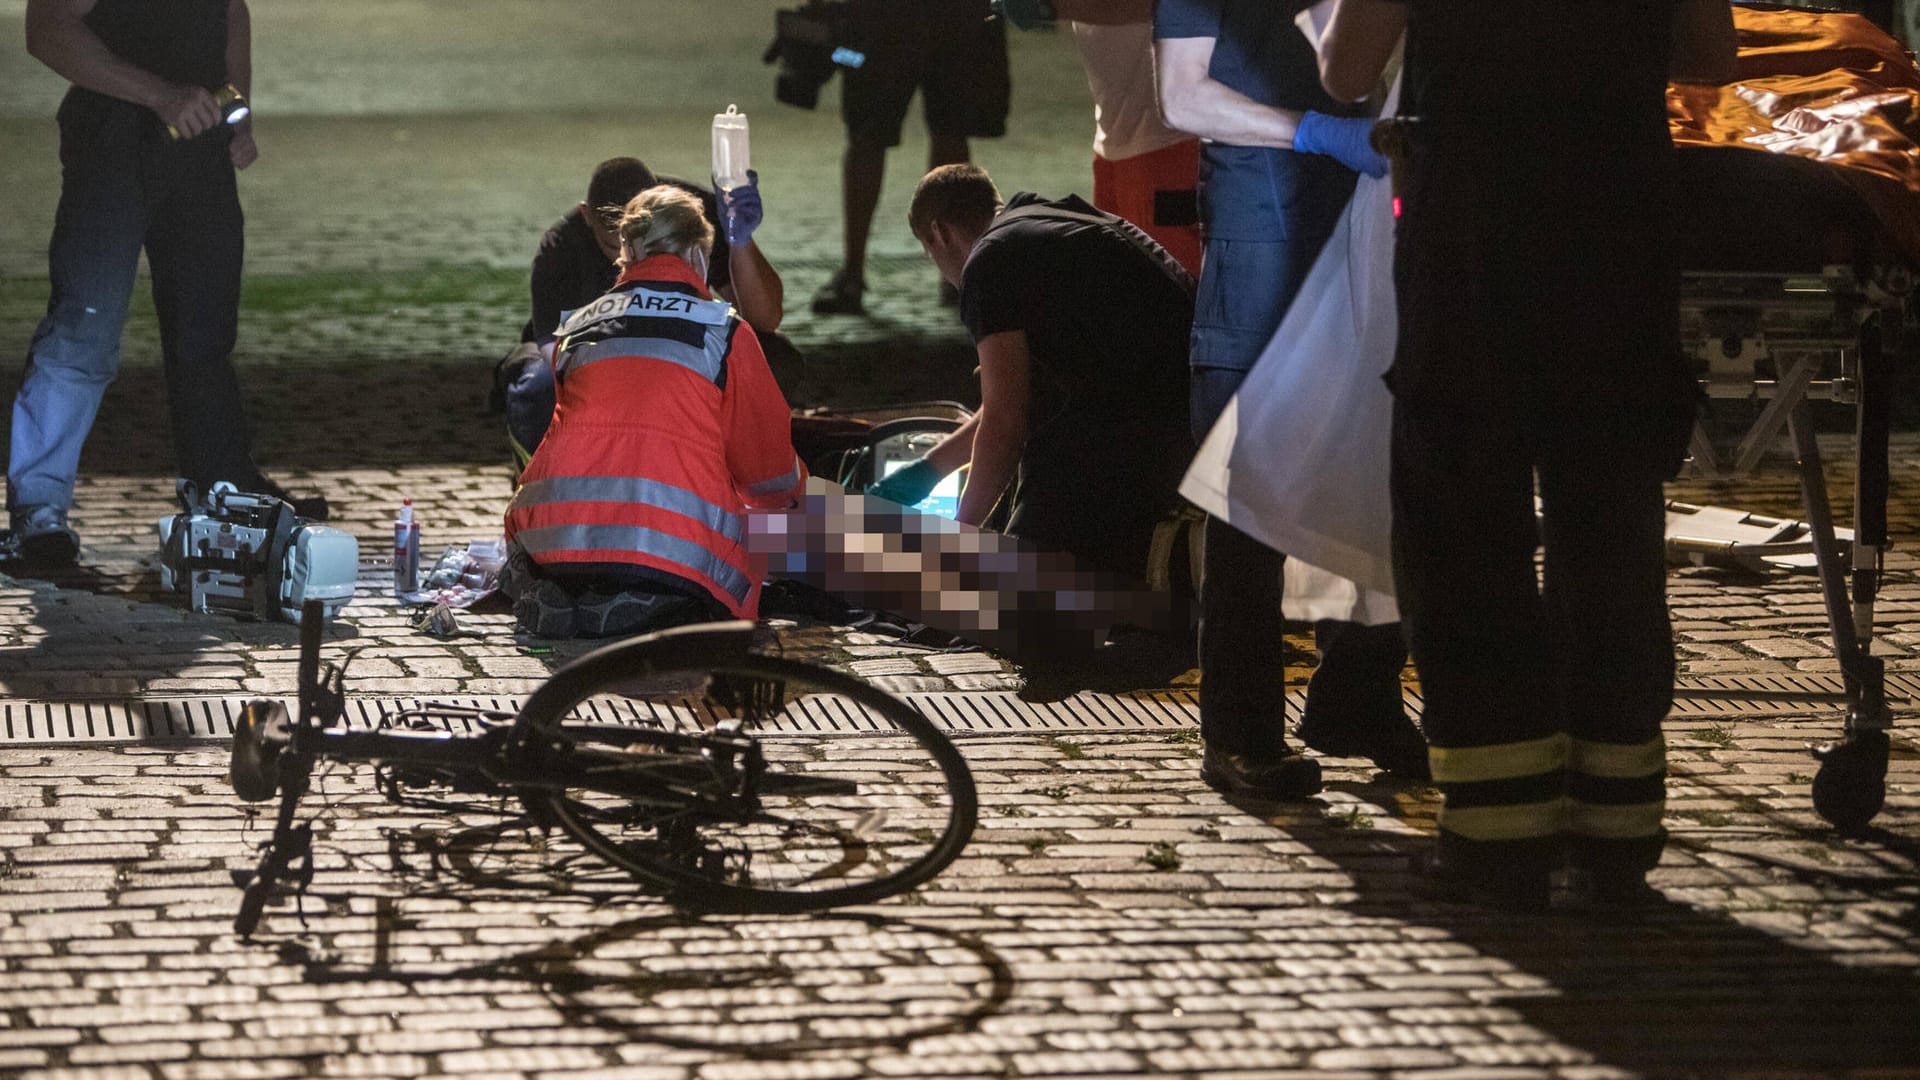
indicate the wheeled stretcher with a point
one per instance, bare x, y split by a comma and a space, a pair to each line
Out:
1812, 306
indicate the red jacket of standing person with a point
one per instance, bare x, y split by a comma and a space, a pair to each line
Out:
668, 428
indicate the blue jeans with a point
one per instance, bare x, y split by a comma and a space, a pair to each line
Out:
125, 185
1267, 213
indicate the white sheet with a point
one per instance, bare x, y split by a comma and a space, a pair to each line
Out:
1299, 458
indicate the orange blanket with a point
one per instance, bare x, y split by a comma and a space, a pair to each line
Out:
1826, 86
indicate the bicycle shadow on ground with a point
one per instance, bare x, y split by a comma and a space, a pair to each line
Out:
675, 979
1685, 989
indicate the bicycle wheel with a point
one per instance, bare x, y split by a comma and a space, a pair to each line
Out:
745, 783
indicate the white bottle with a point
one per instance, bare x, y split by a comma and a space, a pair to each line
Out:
406, 551
731, 159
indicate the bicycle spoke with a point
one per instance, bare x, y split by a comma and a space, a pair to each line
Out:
809, 789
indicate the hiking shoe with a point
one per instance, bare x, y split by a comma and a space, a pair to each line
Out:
43, 538
1283, 776
841, 295
1393, 744
545, 609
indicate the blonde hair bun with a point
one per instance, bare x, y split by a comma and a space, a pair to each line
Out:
663, 220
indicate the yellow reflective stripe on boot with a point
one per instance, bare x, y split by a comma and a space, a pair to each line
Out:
1619, 761
1630, 821
1501, 761
1526, 821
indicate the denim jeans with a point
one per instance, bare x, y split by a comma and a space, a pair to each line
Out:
126, 185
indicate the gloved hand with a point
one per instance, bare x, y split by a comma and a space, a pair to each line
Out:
1346, 139
1025, 14
743, 210
909, 484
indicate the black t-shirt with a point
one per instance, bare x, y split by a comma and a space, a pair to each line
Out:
569, 269
182, 41
1107, 314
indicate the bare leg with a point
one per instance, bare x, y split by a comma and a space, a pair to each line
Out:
946, 150
861, 172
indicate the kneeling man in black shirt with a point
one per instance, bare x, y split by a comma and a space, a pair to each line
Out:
1081, 324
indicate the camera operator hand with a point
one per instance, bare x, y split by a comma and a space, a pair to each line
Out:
743, 211
188, 110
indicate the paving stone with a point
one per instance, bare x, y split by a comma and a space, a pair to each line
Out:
1282, 945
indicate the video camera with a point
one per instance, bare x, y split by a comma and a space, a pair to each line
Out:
251, 555
811, 42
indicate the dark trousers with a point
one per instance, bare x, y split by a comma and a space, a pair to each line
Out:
1288, 203
1538, 347
125, 186
1243, 680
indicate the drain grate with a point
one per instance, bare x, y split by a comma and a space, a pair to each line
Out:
212, 718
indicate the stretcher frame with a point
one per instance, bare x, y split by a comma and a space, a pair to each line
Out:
1788, 340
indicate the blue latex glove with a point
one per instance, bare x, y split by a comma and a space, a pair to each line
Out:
743, 210
1025, 14
909, 484
1346, 139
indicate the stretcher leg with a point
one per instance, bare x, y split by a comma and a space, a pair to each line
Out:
1851, 784
1881, 342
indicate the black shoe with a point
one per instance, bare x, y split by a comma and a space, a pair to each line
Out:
311, 507
41, 539
1395, 744
1613, 892
1132, 660
1283, 777
1517, 892
841, 295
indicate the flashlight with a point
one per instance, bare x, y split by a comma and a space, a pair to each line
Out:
233, 107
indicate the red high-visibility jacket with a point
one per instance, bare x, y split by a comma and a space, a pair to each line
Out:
667, 428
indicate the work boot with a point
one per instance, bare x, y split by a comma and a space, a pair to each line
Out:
43, 538
841, 295
1515, 890
1392, 743
1282, 775
1612, 892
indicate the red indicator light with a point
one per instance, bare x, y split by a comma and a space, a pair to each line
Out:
1396, 206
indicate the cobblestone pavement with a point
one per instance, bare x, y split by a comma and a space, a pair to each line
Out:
1112, 917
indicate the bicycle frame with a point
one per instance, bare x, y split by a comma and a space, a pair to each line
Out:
508, 757
683, 801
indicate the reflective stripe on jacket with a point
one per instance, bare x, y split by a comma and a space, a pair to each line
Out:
667, 428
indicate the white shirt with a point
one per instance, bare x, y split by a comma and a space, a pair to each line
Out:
1126, 113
